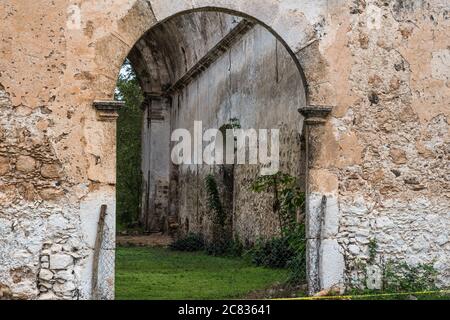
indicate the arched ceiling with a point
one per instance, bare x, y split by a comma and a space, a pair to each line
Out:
167, 51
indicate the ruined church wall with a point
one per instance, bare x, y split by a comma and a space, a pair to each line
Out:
256, 82
57, 158
381, 159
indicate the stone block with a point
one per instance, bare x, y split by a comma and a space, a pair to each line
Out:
45, 275
60, 261
25, 164
4, 165
332, 264
50, 171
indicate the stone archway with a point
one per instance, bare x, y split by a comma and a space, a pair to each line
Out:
381, 65
76, 62
301, 50
293, 28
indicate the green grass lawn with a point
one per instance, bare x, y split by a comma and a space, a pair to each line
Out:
157, 273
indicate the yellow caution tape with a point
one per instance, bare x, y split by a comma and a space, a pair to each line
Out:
350, 297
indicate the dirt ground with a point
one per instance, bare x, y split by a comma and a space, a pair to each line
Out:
152, 240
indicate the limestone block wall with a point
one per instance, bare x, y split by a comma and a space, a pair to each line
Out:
57, 158
45, 244
390, 164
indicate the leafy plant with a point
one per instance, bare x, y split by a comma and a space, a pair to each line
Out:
288, 198
236, 248
233, 124
297, 265
218, 248
223, 247
214, 203
401, 277
191, 243
289, 250
272, 253
373, 245
221, 239
297, 269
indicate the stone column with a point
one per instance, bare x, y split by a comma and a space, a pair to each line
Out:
155, 162
107, 114
325, 263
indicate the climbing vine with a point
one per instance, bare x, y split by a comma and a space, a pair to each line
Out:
288, 250
288, 199
218, 215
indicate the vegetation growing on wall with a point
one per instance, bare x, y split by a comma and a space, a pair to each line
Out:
220, 236
288, 201
395, 276
128, 148
288, 250
402, 277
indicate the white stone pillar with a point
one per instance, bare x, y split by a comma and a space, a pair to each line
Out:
325, 262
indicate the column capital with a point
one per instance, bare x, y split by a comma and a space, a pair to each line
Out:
156, 106
107, 110
153, 96
315, 114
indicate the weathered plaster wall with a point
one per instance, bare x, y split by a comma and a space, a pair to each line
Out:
57, 158
390, 162
252, 80
155, 164
381, 159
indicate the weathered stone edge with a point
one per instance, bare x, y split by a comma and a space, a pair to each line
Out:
108, 110
315, 114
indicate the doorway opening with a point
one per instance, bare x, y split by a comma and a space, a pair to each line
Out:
212, 231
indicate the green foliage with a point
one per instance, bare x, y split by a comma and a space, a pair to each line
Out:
401, 277
236, 248
297, 265
297, 269
289, 250
218, 248
218, 215
221, 241
288, 198
224, 248
233, 124
191, 243
128, 147
272, 253
373, 245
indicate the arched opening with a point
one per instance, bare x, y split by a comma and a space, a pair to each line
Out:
214, 69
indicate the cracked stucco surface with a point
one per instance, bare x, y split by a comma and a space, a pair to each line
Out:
383, 156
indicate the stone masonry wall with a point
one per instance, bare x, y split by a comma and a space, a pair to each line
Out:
384, 154
381, 158
395, 191
44, 234
256, 82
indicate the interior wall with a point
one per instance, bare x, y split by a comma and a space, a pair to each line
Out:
256, 82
